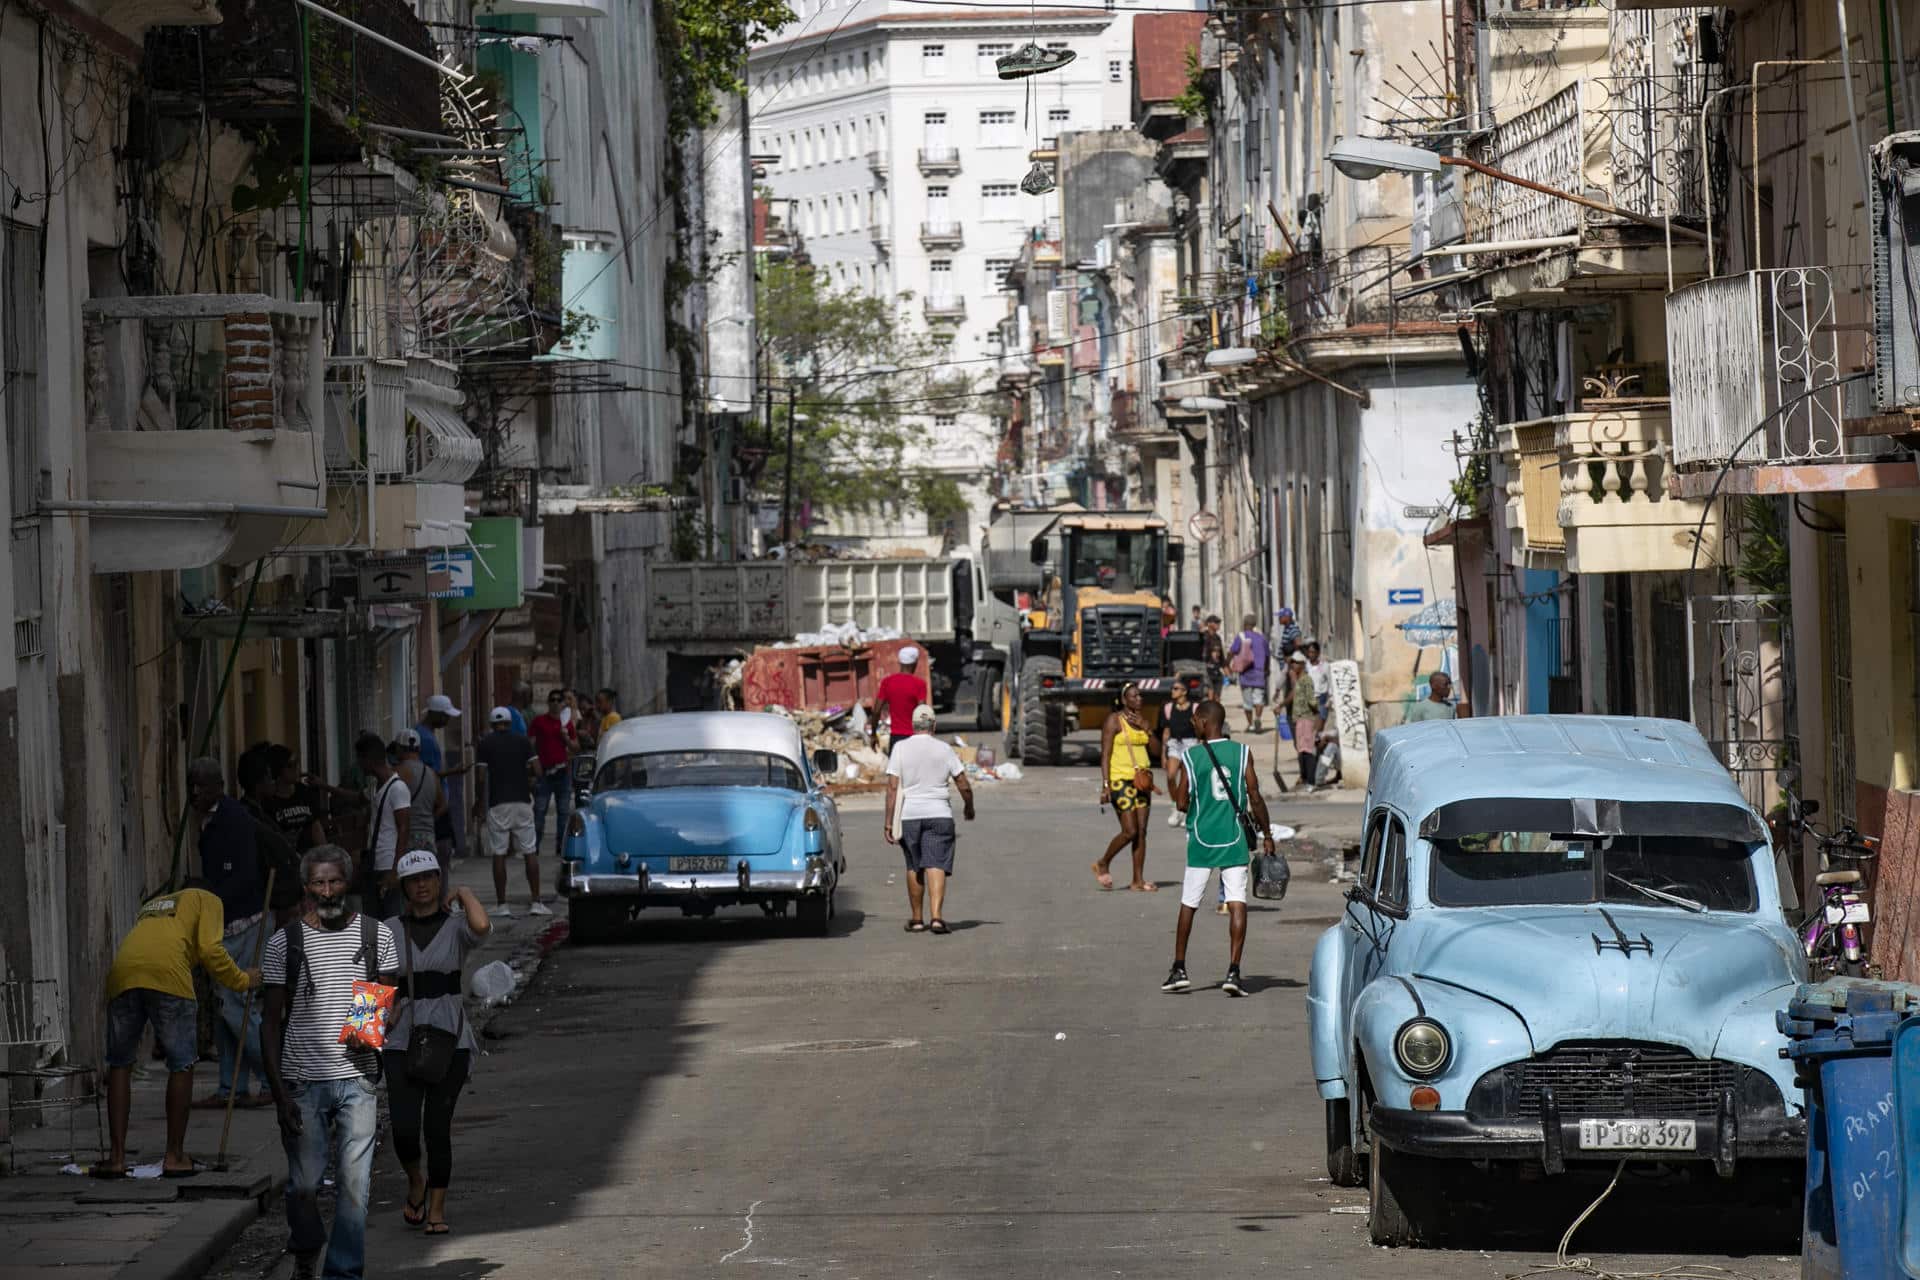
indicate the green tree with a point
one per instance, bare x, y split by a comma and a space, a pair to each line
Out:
865, 387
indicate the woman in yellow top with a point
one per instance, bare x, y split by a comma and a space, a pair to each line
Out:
152, 982
1127, 751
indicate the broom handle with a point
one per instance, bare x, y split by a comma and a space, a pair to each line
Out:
246, 1016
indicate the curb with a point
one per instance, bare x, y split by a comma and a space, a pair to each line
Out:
191, 1248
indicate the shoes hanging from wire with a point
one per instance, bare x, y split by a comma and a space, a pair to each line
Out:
1031, 60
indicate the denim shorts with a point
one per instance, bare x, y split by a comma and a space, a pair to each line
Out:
176, 1027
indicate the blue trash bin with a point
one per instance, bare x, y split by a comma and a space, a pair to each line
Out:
1841, 1038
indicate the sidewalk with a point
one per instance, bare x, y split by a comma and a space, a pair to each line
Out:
149, 1229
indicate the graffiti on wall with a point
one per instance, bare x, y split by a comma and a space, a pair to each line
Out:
1349, 710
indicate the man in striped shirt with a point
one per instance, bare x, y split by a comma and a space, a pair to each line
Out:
323, 1088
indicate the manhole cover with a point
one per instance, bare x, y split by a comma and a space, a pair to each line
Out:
831, 1046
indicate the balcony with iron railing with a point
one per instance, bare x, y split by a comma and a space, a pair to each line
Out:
939, 162
942, 235
1623, 130
248, 72
1771, 390
202, 424
1326, 293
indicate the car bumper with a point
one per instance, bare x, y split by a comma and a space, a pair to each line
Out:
743, 884
1723, 1140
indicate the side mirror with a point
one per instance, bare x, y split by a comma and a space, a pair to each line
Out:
1176, 554
1037, 551
826, 762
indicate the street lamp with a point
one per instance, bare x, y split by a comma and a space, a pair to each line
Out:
1365, 159
1231, 357
1203, 404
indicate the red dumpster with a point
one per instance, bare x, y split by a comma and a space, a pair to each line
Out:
819, 677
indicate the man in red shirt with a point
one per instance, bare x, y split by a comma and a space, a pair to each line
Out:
556, 741
898, 695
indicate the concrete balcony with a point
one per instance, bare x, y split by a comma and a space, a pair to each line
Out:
882, 236
1615, 512
939, 162
951, 309
879, 164
1770, 383
942, 235
203, 432
1530, 454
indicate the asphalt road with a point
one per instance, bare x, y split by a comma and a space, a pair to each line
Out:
1017, 1099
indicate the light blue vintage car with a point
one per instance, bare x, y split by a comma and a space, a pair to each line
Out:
1565, 949
701, 811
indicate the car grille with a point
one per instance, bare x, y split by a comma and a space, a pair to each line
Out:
1119, 640
1623, 1081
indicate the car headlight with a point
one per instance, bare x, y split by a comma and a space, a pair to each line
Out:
1422, 1047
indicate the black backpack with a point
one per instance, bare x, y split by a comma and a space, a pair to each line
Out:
368, 954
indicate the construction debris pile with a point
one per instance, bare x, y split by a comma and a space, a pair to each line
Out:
843, 731
845, 634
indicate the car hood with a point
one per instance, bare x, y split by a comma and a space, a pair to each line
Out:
1542, 963
744, 821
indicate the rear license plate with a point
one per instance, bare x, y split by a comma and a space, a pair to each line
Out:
703, 862
1637, 1135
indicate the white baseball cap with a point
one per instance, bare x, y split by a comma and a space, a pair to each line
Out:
923, 717
909, 655
416, 862
442, 703
500, 715
408, 738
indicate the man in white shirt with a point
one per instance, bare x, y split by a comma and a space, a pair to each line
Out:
392, 817
917, 774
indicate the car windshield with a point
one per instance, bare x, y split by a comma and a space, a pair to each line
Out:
656, 770
1118, 560
1510, 868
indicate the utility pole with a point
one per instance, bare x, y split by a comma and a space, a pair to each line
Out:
786, 485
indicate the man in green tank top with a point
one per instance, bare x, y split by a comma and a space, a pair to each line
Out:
1213, 784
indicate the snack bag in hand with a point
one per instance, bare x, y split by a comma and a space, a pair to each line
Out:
367, 1022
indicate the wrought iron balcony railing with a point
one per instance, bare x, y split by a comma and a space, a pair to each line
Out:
1763, 366
1628, 130
1328, 292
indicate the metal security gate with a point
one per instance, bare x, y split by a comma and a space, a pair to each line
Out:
1740, 673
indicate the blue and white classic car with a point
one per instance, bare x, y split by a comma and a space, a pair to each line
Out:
1565, 949
701, 811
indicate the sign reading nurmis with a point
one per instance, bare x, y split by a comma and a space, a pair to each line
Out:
496, 570
1203, 526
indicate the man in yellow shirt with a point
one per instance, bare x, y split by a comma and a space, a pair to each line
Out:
151, 982
607, 703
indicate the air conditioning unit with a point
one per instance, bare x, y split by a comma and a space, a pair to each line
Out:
1896, 273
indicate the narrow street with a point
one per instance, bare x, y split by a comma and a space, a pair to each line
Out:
1017, 1099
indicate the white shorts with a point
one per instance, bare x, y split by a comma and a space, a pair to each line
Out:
1193, 889
510, 828
1253, 696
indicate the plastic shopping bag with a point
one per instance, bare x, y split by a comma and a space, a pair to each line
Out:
366, 1026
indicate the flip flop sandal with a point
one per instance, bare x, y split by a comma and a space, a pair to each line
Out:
105, 1174
438, 1229
414, 1215
939, 927
914, 926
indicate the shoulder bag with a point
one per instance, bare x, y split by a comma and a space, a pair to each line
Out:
429, 1049
1271, 874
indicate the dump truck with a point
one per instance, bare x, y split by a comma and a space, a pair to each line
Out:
1076, 599
701, 614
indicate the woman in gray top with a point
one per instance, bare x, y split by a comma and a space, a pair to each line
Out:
431, 1045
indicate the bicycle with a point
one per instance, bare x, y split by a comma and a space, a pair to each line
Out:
1831, 935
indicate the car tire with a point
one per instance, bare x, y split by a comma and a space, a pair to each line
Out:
1400, 1188
815, 915
1345, 1166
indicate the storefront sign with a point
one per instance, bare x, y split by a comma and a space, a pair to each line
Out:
496, 565
393, 579
457, 566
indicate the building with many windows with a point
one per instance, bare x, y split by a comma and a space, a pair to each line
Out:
900, 154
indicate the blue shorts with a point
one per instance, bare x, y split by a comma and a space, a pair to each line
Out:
927, 844
176, 1027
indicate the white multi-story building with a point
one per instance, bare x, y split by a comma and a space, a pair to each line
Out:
900, 158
